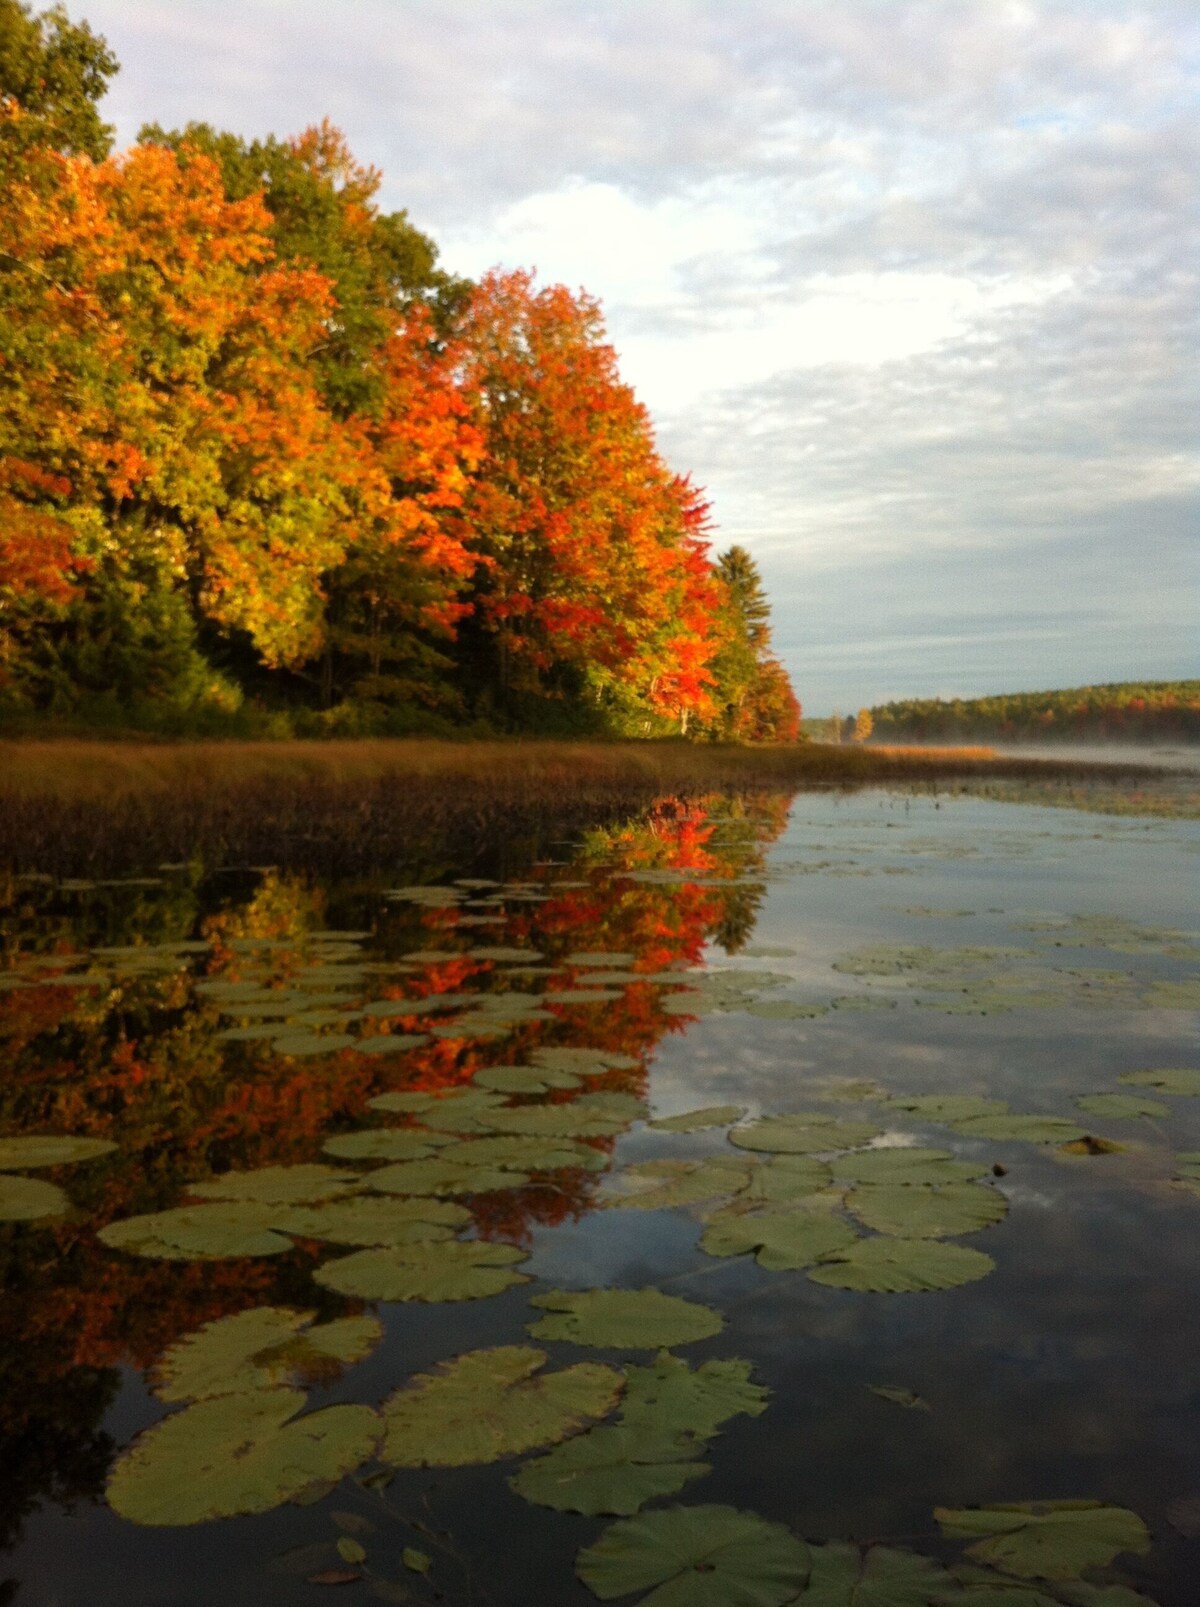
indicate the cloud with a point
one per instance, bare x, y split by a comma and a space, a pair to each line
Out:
911, 289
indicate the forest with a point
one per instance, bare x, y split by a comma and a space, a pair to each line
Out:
1119, 711
267, 470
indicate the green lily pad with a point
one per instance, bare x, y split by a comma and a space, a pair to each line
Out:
900, 1266
249, 1034
586, 957
28, 1151
663, 1185
524, 1079
782, 1239
918, 1211
260, 1349
582, 995
367, 1219
1021, 1129
786, 1177
610, 1470
802, 1133
390, 1043
907, 1167
383, 1144
698, 1121
1045, 1539
502, 952
522, 1154
472, 1027
982, 1587
842, 1576
238, 1454
1121, 1107
569, 1120
669, 1397
623, 1319
28, 1199
584, 1062
282, 1185
442, 1176
947, 1107
199, 1232
900, 1395
703, 1556
785, 1010
1180, 1080
491, 1404
454, 1270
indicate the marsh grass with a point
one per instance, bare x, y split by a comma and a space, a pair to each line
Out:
91, 808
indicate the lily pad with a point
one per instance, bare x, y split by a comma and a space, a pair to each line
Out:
260, 1349
1180, 1080
199, 1232
900, 1395
947, 1107
1045, 1539
901, 1266
442, 1176
610, 1470
453, 1270
1121, 1107
698, 1121
904, 1166
664, 1185
491, 1404
573, 1120
920, 1212
669, 1397
238, 1454
786, 1177
283, 1185
782, 1239
843, 1576
623, 1319
390, 1043
703, 1556
28, 1151
383, 1144
524, 1079
582, 995
522, 1154
584, 1062
28, 1199
1021, 1129
802, 1133
599, 957
367, 1219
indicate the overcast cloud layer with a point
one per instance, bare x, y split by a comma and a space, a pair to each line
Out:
910, 288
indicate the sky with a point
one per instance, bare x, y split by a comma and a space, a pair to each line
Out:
910, 288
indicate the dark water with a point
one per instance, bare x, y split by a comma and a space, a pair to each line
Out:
1033, 956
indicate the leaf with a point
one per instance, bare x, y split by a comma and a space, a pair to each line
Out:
490, 1404
260, 1349
522, 1154
390, 1043
556, 1121
450, 1271
609, 1470
669, 1397
1121, 1106
383, 1144
366, 1219
899, 1266
674, 1183
782, 1239
698, 1121
28, 1199
801, 1133
443, 1176
417, 1102
199, 1232
623, 1319
524, 1079
237, 1454
350, 1550
417, 1562
787, 1177
278, 1185
1045, 1539
1179, 1080
27, 1151
584, 1062
948, 1107
905, 1166
1022, 1129
920, 1212
586, 957
705, 1556
842, 1576
900, 1395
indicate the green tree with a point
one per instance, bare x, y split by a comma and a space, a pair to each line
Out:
56, 71
752, 692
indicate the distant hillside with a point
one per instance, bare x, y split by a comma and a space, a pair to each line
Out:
1119, 711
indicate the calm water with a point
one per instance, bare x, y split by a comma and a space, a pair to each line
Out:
848, 951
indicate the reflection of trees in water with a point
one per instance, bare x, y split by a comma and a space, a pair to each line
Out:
139, 1062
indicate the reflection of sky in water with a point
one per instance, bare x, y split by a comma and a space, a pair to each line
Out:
1069, 1371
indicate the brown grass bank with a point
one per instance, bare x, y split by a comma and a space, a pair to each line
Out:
76, 808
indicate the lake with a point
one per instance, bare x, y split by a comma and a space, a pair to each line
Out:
359, 1237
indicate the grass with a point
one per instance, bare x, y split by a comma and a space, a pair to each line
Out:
72, 807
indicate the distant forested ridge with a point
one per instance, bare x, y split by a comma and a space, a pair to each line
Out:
265, 467
1118, 711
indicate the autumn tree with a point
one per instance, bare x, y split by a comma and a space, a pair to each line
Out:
56, 71
864, 724
752, 692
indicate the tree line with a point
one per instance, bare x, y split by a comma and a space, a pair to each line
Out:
266, 467
1119, 711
